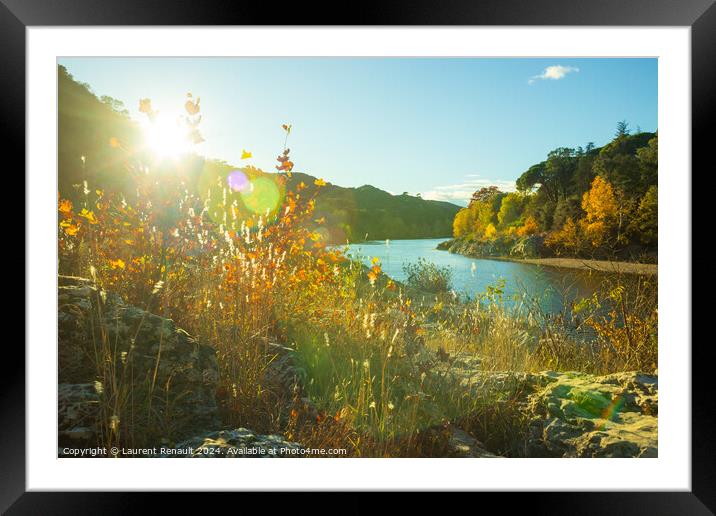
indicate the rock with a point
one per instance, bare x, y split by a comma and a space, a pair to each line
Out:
282, 373
77, 413
531, 246
168, 373
462, 444
581, 415
236, 443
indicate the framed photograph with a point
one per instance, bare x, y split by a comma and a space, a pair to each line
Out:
372, 251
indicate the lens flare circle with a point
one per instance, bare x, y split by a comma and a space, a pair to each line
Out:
239, 182
264, 196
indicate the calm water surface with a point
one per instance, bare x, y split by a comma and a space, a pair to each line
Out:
552, 287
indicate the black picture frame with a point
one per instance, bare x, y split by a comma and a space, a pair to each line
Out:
700, 15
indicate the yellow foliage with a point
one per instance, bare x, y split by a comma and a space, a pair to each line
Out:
568, 239
490, 231
600, 202
530, 227
596, 231
461, 223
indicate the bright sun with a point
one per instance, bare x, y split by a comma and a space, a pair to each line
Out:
167, 136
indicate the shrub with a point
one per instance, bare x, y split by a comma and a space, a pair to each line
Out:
427, 277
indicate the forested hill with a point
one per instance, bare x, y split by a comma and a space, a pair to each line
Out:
354, 214
95, 132
588, 202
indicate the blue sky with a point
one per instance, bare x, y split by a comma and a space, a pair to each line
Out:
442, 127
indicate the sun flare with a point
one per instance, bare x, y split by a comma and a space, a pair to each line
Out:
167, 137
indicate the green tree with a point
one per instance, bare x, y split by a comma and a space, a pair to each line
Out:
649, 162
645, 225
567, 208
511, 208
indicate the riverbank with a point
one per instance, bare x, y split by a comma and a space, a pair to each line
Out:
532, 250
593, 265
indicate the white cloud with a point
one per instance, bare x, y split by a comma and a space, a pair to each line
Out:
554, 73
460, 193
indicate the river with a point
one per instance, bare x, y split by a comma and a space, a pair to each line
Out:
552, 287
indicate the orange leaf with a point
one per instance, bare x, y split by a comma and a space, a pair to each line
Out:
65, 206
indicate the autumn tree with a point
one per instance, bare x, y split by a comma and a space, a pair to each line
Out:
461, 224
484, 194
530, 227
567, 240
601, 211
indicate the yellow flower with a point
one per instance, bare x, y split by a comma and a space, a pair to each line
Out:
319, 182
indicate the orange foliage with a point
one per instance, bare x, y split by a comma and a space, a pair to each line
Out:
530, 227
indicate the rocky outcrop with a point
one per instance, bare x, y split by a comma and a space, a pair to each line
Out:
531, 246
109, 349
571, 414
236, 443
581, 415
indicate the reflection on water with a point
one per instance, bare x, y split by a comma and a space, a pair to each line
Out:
552, 287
